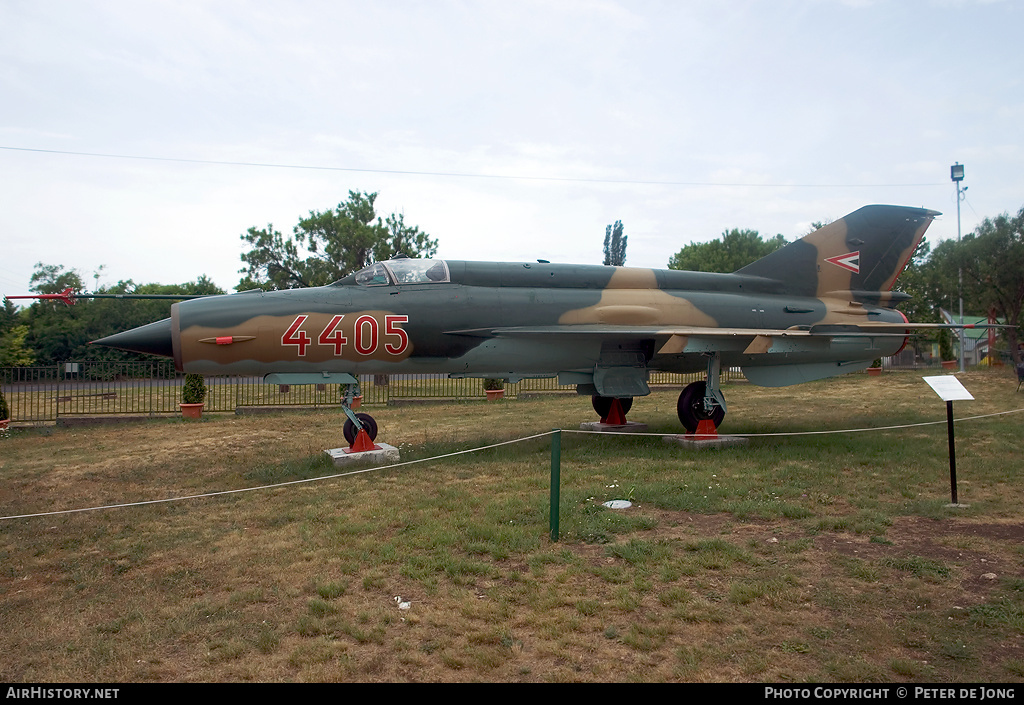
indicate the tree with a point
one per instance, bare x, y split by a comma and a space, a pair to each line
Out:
328, 245
53, 279
992, 261
918, 280
926, 287
10, 316
614, 245
57, 333
402, 239
54, 334
735, 249
817, 225
13, 350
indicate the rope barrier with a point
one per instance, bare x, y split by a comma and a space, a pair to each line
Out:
806, 433
464, 452
276, 485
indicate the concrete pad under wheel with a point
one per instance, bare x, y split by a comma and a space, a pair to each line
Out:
628, 427
385, 455
704, 442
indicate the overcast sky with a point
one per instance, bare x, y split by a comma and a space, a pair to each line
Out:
506, 130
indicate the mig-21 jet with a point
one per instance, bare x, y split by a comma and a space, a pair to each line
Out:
818, 307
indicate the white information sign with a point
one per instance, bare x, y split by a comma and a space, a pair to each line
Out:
948, 388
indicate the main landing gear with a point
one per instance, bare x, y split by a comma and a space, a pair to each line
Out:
701, 406
692, 408
703, 401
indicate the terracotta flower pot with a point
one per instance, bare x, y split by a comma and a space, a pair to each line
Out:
950, 364
874, 371
493, 394
3, 424
356, 402
191, 411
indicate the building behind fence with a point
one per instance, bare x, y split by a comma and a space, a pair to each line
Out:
46, 394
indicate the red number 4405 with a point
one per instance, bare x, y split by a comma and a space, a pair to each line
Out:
366, 335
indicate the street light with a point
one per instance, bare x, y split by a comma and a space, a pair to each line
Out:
956, 174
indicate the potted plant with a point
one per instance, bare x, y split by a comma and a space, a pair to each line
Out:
949, 360
5, 413
876, 367
494, 387
193, 394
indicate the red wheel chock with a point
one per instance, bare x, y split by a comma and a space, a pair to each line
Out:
615, 417
362, 443
706, 429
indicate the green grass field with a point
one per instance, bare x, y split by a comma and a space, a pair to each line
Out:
827, 558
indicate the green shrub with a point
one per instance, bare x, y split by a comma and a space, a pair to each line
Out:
946, 345
194, 390
4, 411
492, 383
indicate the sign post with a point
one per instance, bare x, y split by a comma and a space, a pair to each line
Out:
949, 390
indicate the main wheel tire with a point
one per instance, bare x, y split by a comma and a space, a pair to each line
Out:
690, 407
602, 405
368, 423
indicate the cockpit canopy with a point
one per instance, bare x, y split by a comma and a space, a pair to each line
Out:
401, 271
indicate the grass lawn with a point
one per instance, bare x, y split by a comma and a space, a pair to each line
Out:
829, 558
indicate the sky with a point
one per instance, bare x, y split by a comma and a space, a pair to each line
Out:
140, 140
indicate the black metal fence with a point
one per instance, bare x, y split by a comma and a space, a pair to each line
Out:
45, 394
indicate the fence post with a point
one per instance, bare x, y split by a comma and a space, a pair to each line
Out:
556, 479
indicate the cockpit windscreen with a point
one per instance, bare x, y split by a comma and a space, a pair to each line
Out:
403, 271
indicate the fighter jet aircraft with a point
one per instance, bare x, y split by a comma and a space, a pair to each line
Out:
818, 307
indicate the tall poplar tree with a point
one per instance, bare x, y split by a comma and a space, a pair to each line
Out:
614, 245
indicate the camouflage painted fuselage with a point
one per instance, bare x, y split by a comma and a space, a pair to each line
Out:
818, 307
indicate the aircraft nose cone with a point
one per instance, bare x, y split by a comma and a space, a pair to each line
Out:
154, 338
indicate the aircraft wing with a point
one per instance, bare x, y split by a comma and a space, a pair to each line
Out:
820, 330
607, 330
679, 340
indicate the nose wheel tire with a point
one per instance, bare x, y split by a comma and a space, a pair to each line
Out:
368, 423
691, 410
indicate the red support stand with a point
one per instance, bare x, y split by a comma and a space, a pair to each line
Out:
362, 443
616, 416
706, 429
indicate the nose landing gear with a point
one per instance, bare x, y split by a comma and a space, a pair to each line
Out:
360, 429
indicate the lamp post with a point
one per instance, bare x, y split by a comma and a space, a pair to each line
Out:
956, 173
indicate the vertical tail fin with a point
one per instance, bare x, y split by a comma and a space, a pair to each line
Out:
859, 255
